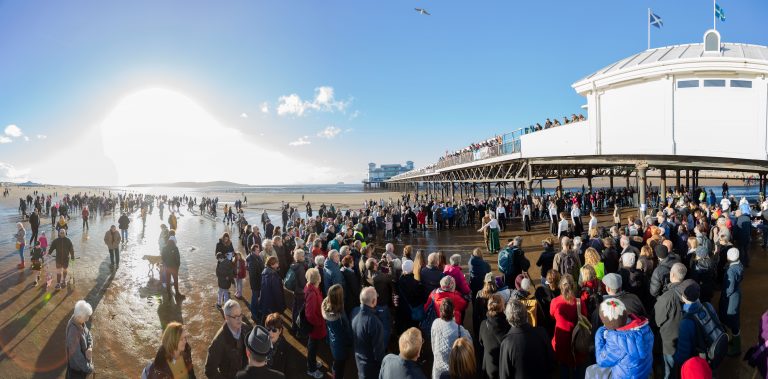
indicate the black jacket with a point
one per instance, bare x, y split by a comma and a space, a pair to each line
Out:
525, 353
222, 248
430, 278
395, 367
226, 355
263, 372
351, 289
669, 311
660, 276
123, 222
170, 256
225, 273
492, 332
255, 267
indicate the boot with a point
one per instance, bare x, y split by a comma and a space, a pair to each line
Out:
734, 345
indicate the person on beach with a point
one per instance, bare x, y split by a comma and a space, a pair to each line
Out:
171, 262
172, 221
65, 252
112, 240
299, 272
493, 234
20, 236
36, 256
272, 298
313, 312
34, 224
79, 342
224, 275
173, 359
226, 354
240, 273
123, 222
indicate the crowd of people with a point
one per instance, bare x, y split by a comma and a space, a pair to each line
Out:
613, 300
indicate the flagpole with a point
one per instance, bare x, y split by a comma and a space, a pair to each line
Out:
714, 14
648, 20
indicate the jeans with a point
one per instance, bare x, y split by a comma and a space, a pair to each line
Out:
114, 256
173, 273
669, 365
223, 296
124, 234
239, 287
312, 354
85, 223
21, 253
33, 238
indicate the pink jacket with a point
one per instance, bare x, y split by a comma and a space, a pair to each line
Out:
461, 281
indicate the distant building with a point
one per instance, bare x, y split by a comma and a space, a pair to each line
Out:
386, 171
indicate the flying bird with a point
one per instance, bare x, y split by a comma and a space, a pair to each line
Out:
422, 11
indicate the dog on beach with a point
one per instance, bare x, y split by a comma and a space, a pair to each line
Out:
154, 262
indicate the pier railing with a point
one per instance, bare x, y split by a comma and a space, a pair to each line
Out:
510, 144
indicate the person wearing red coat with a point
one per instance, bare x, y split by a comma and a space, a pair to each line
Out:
563, 311
313, 300
454, 270
447, 290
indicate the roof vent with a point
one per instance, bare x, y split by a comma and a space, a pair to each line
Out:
711, 42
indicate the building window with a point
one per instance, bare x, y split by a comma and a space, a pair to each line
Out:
714, 83
687, 83
741, 83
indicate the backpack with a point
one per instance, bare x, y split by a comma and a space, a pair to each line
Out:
593, 300
567, 264
290, 280
715, 339
305, 327
505, 259
430, 315
581, 336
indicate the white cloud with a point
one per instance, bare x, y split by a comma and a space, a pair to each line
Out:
264, 107
4, 139
10, 173
26, 138
13, 131
324, 101
329, 132
300, 142
41, 136
244, 115
354, 115
347, 130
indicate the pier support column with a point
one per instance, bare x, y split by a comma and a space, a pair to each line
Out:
677, 180
627, 181
641, 167
453, 192
610, 180
559, 186
541, 187
663, 189
687, 180
589, 180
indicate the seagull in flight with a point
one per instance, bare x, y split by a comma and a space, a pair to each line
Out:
422, 11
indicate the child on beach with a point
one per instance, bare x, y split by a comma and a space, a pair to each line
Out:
224, 274
240, 271
37, 260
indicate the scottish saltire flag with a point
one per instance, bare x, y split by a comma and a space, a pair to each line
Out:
719, 12
655, 20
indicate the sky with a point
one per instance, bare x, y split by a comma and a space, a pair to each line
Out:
302, 91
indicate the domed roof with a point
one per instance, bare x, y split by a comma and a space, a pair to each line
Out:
680, 54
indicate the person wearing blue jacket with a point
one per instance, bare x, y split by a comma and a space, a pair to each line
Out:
623, 345
332, 271
730, 300
339, 329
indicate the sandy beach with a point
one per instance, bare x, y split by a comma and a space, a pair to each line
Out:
130, 308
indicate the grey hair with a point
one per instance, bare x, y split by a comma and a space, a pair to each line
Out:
319, 260
455, 259
576, 241
333, 253
265, 243
624, 242
432, 259
299, 243
447, 283
368, 295
518, 241
83, 311
389, 247
344, 250
516, 312
229, 306
298, 255
677, 272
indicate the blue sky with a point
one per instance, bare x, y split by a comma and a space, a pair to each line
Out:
405, 86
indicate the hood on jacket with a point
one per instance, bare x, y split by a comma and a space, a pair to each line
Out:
328, 315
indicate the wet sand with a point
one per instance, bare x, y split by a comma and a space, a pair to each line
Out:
130, 309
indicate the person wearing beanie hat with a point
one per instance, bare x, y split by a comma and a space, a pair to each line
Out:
660, 276
730, 300
622, 330
613, 287
258, 346
688, 335
696, 368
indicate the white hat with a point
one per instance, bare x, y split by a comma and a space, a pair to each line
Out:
733, 254
407, 267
